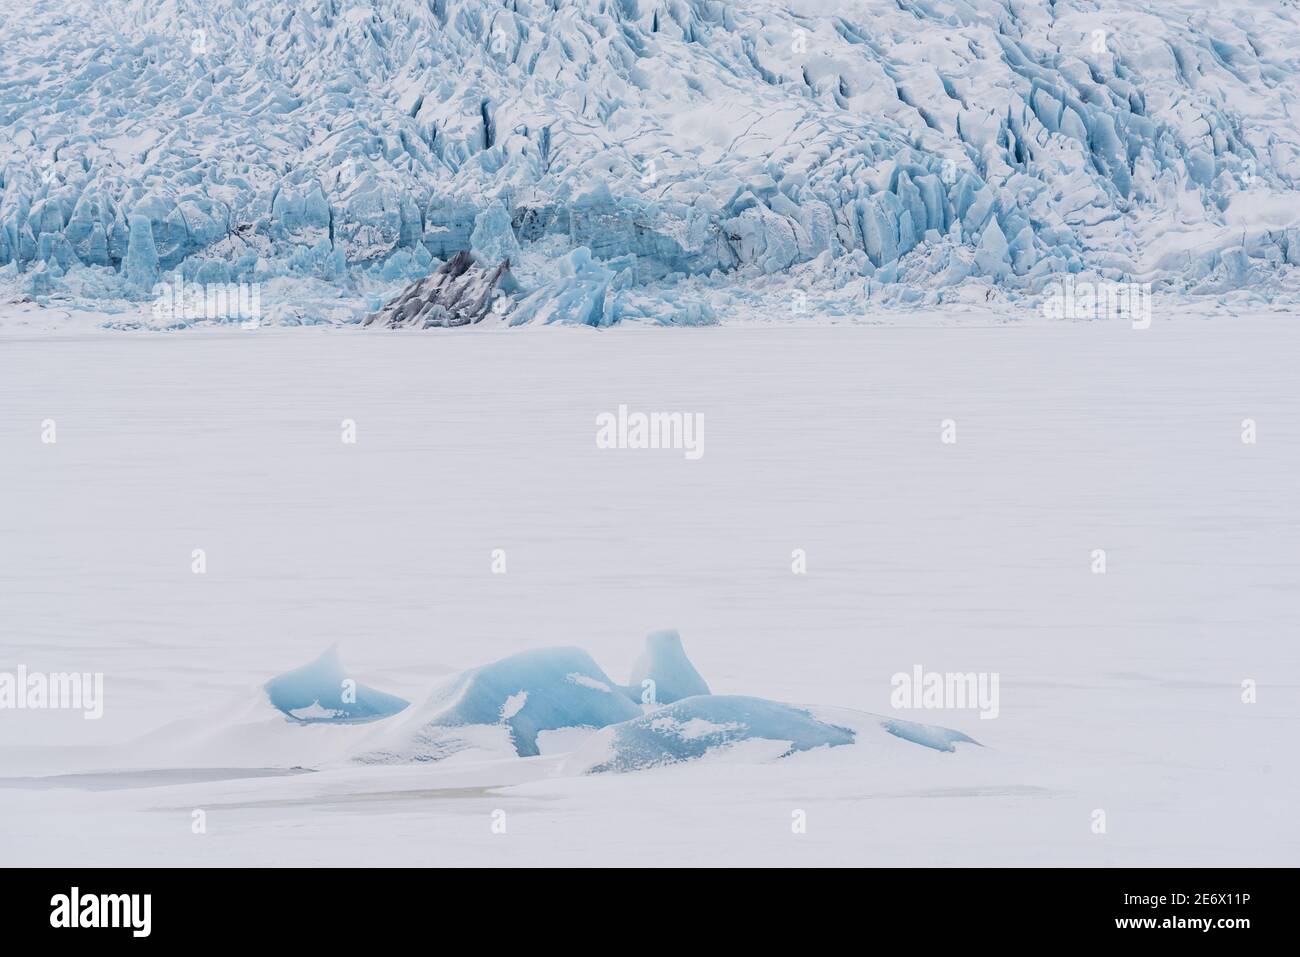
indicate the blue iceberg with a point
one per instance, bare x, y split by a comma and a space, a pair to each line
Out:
542, 690
694, 726
663, 674
505, 706
321, 692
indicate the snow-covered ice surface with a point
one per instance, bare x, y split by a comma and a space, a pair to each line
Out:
1119, 692
651, 160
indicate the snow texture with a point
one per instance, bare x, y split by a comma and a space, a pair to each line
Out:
647, 159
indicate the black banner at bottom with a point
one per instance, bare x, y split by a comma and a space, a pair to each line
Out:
334, 906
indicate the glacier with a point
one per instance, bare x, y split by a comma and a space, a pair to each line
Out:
663, 161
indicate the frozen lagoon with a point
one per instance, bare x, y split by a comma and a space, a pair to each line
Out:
1119, 691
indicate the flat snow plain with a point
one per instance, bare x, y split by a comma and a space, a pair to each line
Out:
1120, 692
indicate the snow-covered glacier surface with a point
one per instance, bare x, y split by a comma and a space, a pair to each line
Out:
673, 161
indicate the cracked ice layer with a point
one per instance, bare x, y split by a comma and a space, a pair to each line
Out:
929, 145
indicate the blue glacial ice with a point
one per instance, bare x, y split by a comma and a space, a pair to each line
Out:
705, 725
663, 673
547, 689
322, 692
692, 727
665, 161
493, 239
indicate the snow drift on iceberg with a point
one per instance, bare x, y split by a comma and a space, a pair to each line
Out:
715, 725
927, 735
692, 727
